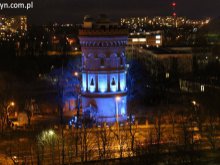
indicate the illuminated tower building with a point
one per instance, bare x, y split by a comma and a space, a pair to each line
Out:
103, 69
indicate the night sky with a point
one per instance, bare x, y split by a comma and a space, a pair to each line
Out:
72, 11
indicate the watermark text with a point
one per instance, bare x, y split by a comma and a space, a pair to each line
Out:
26, 6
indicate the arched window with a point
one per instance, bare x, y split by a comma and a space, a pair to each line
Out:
92, 82
102, 62
121, 60
113, 81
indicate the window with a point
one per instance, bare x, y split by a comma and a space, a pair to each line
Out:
202, 88
121, 60
92, 82
157, 41
102, 62
158, 36
113, 81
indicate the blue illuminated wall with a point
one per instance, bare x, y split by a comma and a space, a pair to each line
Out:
84, 84
106, 108
123, 81
102, 83
103, 89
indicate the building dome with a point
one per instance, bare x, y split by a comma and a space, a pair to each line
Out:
88, 18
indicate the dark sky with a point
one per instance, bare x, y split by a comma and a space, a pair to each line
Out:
72, 11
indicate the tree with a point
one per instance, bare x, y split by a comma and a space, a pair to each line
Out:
87, 141
30, 108
132, 131
211, 129
46, 139
104, 142
159, 128
5, 108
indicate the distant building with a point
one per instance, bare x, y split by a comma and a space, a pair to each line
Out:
153, 38
173, 60
193, 87
103, 69
12, 26
164, 61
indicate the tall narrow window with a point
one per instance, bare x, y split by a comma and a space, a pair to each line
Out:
113, 81
102, 62
92, 82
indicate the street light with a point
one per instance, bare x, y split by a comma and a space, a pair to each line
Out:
51, 132
78, 92
47, 137
195, 105
117, 99
76, 74
11, 104
194, 102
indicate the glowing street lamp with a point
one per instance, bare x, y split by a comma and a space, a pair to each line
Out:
195, 105
76, 73
11, 104
47, 136
194, 102
117, 99
51, 132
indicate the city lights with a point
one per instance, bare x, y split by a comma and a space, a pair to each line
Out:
168, 21
194, 102
129, 88
11, 26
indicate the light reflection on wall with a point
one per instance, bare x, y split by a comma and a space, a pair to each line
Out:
102, 82
107, 107
84, 82
122, 106
122, 81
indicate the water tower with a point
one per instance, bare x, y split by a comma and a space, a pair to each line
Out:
104, 92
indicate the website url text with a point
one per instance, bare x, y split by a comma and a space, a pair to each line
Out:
26, 6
